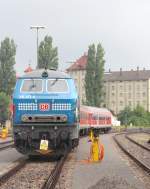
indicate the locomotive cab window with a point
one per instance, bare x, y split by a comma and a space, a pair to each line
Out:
57, 86
32, 85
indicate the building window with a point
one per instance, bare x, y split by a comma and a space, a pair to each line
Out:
113, 103
121, 103
129, 95
138, 87
113, 94
144, 85
113, 87
121, 94
144, 94
121, 87
138, 95
129, 87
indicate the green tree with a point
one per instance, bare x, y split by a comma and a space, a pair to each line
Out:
4, 107
7, 62
125, 116
48, 55
89, 77
94, 76
99, 75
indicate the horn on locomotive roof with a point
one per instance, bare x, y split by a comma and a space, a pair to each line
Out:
45, 73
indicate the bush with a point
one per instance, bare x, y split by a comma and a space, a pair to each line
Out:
138, 117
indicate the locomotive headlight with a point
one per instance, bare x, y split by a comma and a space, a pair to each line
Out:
24, 118
64, 118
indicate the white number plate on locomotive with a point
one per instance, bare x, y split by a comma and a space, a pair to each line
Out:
44, 107
44, 145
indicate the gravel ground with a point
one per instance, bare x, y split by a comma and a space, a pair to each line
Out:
136, 150
114, 182
32, 176
114, 172
141, 138
66, 176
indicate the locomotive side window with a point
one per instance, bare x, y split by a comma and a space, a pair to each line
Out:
32, 85
57, 86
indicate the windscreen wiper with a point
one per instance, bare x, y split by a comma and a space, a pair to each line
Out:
53, 83
33, 84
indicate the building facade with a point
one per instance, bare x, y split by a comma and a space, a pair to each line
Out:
121, 88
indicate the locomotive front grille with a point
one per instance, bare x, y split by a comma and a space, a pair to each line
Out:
44, 119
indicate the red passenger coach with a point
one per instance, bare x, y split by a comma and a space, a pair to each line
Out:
97, 118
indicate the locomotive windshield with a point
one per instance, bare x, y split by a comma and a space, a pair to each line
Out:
32, 85
57, 86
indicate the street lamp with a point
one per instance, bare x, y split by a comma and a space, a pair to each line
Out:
37, 29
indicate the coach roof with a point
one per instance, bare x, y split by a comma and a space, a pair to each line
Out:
51, 74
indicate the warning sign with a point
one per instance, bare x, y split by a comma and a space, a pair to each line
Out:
44, 145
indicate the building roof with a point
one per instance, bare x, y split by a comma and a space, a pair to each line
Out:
51, 74
79, 64
133, 75
121, 75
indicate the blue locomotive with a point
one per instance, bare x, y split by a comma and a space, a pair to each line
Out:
45, 117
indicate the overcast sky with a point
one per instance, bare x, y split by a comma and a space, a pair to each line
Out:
122, 26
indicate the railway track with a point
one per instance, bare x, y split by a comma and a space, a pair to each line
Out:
54, 176
134, 150
33, 174
12, 171
6, 144
137, 143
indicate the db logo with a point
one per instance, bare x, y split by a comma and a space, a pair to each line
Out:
44, 107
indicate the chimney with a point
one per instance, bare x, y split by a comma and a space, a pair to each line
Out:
109, 70
143, 69
120, 71
137, 68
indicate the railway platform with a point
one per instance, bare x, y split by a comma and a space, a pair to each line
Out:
114, 171
5, 140
8, 158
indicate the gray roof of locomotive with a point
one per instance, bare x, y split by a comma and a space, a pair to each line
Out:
51, 74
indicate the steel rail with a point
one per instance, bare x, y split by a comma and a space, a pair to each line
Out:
135, 142
7, 144
12, 171
138, 162
54, 176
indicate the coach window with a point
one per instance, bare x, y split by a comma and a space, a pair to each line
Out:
32, 85
57, 86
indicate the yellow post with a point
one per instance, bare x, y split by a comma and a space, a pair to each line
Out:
4, 133
95, 154
97, 149
91, 135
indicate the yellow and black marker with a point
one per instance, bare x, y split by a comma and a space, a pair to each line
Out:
97, 149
